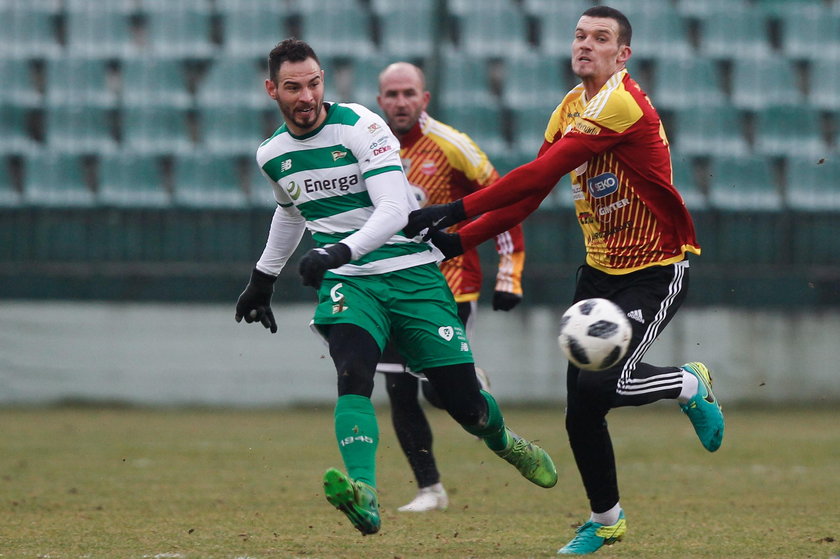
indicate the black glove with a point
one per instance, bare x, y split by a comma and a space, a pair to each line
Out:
254, 304
434, 218
504, 300
318, 260
448, 243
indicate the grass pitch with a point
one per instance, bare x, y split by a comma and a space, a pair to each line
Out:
236, 484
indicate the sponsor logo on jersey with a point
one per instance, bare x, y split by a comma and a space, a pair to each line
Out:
337, 154
285, 165
577, 192
293, 189
373, 128
586, 127
341, 183
381, 141
607, 210
602, 185
428, 168
381, 150
598, 235
586, 217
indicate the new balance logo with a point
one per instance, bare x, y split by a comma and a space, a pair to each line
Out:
285, 165
637, 316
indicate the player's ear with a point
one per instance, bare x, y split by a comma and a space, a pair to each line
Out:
271, 89
624, 52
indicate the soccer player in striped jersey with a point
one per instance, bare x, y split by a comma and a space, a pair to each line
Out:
442, 165
335, 170
637, 232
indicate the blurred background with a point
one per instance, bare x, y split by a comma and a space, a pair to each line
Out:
131, 209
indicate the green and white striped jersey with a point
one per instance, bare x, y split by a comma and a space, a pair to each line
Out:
323, 176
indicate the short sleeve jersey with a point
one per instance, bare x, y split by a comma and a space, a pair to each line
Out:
630, 213
322, 174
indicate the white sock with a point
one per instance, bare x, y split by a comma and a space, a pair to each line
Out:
436, 488
689, 388
607, 518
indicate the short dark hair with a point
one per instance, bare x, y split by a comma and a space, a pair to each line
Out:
289, 50
625, 31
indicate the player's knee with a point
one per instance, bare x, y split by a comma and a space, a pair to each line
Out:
355, 376
432, 395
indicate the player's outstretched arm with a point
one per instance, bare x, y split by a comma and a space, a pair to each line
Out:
254, 304
434, 218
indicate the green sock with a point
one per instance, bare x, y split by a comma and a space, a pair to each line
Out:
357, 433
493, 433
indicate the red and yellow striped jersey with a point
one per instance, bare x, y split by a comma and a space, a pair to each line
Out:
443, 164
616, 149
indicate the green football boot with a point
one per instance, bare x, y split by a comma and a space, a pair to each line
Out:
357, 500
703, 409
592, 536
532, 461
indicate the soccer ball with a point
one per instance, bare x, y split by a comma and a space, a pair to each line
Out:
594, 334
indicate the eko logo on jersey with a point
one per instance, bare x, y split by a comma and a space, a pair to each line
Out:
602, 185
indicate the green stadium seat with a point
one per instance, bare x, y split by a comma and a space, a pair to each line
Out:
659, 31
703, 8
824, 85
18, 88
260, 193
407, 29
534, 80
782, 8
764, 81
364, 78
687, 82
131, 180
178, 29
493, 28
734, 34
555, 23
9, 195
811, 184
238, 82
82, 82
702, 131
154, 82
252, 27
14, 136
744, 184
465, 80
79, 130
29, 29
155, 130
204, 180
56, 179
686, 182
233, 130
100, 29
789, 130
482, 123
810, 33
337, 28
529, 124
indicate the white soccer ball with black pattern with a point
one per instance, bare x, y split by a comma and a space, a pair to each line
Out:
594, 334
